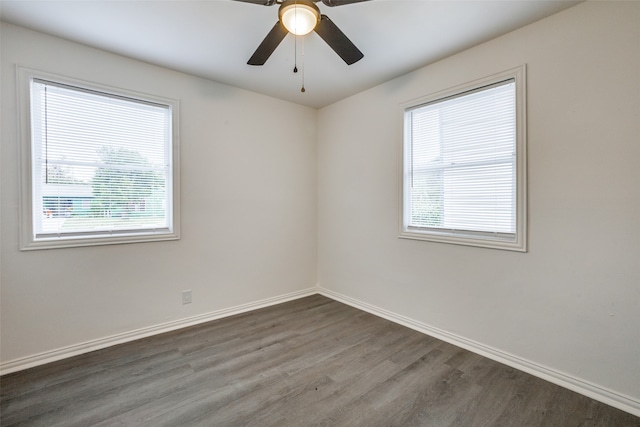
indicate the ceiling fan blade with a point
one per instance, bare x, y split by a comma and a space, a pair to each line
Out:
332, 3
261, 2
338, 41
268, 45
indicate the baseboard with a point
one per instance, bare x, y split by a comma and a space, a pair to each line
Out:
85, 347
570, 382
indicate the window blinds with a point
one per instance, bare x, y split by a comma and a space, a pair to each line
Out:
462, 163
101, 163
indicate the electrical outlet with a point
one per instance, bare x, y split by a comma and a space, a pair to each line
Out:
186, 297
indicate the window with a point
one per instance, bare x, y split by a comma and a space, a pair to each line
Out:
99, 164
464, 165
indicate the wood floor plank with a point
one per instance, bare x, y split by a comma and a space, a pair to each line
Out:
308, 362
37, 403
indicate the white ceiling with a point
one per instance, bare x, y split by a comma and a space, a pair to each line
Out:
215, 38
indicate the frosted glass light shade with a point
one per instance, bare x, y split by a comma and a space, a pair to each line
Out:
299, 19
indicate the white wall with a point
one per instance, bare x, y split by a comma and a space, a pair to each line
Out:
248, 210
572, 303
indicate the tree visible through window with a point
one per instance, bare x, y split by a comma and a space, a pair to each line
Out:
126, 185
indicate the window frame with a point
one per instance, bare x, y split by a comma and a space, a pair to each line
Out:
28, 240
477, 239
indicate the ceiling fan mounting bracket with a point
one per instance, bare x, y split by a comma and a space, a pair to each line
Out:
286, 3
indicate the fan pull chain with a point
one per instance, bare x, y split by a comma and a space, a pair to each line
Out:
303, 89
295, 54
295, 41
295, 50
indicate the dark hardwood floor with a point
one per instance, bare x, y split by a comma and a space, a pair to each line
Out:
309, 362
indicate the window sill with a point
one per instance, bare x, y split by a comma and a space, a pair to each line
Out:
115, 239
517, 245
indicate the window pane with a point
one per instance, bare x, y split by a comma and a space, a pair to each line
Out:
462, 162
101, 163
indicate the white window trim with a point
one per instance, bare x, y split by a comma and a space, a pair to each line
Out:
24, 77
471, 239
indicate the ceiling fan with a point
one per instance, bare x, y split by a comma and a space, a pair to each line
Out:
300, 17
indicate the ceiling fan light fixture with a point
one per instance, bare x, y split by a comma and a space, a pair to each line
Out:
299, 17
